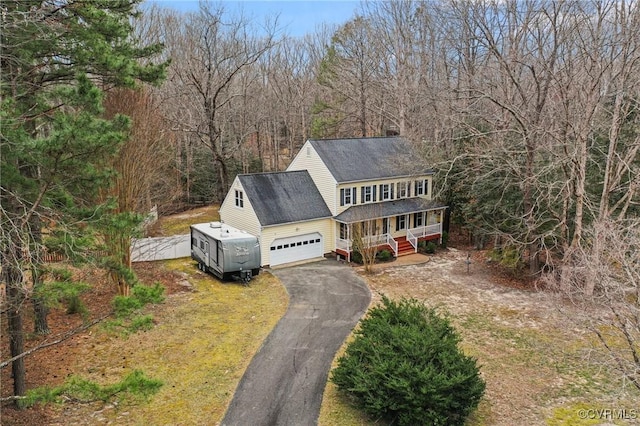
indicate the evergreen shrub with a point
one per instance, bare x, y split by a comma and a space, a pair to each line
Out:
404, 366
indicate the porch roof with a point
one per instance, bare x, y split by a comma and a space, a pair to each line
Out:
387, 209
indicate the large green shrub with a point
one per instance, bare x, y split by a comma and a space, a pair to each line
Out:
404, 366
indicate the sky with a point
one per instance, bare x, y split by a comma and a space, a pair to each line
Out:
297, 17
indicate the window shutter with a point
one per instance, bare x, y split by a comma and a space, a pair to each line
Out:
391, 189
353, 195
342, 197
426, 186
362, 195
373, 188
408, 189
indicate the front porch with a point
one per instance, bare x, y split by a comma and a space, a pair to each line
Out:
397, 225
399, 244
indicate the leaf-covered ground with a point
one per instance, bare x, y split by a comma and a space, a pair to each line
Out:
540, 367
203, 339
204, 336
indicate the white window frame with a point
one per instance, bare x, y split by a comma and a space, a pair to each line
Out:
403, 189
367, 197
385, 187
420, 215
347, 196
421, 187
239, 199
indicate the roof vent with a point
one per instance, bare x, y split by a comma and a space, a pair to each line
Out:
216, 224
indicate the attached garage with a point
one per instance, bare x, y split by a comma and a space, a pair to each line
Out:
285, 211
295, 249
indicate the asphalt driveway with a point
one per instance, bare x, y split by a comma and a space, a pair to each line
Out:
284, 383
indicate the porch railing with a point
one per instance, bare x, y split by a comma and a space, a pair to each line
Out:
413, 239
393, 243
424, 231
343, 244
369, 241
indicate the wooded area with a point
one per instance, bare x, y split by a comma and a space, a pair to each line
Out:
527, 111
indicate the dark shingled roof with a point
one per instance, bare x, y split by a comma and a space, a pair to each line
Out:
360, 159
387, 209
284, 197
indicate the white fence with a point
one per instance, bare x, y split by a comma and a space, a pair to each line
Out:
160, 248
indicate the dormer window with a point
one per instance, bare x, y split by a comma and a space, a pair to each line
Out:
239, 199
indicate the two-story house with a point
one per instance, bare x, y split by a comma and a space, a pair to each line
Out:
330, 187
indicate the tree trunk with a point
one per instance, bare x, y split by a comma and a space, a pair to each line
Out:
16, 298
40, 309
223, 178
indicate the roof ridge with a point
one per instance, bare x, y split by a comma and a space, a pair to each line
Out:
355, 138
270, 173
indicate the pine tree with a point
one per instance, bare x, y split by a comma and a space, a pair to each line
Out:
56, 148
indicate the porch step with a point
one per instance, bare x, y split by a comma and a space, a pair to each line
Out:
404, 247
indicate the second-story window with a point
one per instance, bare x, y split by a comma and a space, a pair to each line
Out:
368, 194
403, 190
347, 196
421, 187
386, 192
239, 199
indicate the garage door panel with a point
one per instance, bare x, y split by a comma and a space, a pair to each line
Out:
294, 249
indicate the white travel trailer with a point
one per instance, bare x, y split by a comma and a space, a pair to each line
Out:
224, 251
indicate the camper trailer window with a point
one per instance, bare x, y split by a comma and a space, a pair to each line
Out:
201, 245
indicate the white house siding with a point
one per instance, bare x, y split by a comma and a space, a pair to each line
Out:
241, 218
270, 233
308, 159
377, 183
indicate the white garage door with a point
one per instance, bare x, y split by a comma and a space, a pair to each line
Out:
294, 249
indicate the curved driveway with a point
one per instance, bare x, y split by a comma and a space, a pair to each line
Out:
284, 383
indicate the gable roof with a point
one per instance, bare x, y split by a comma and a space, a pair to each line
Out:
360, 159
284, 197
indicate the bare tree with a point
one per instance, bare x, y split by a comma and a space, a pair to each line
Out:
210, 52
604, 283
364, 240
